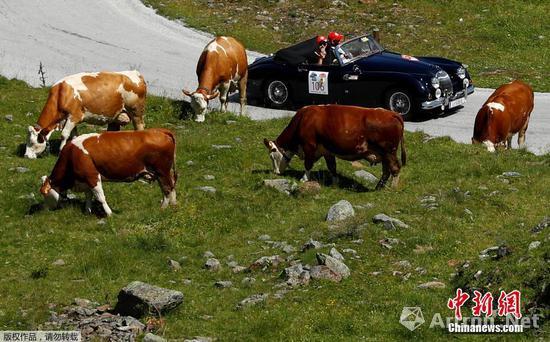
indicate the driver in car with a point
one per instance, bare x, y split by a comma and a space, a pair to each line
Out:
334, 38
320, 54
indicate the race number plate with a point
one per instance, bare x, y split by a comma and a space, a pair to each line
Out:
457, 102
318, 82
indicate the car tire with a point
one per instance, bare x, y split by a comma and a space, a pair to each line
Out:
277, 94
400, 101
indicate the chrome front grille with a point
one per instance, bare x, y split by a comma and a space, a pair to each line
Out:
445, 83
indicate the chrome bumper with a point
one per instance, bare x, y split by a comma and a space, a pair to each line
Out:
444, 101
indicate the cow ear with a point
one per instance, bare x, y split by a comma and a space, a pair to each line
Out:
213, 96
31, 129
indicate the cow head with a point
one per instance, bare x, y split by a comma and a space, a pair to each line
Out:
36, 141
51, 196
484, 128
279, 158
199, 101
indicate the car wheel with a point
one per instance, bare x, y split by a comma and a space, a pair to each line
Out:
277, 94
400, 101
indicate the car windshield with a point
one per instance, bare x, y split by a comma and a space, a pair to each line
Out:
358, 47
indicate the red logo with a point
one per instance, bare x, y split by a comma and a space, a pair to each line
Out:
508, 303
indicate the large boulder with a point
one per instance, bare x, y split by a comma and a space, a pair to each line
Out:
138, 299
389, 223
340, 211
334, 265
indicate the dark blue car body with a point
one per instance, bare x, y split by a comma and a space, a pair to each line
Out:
374, 78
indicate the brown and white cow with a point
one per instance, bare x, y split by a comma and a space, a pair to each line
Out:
222, 68
88, 160
98, 98
347, 132
505, 113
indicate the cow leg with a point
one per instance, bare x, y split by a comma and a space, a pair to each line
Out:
97, 190
137, 121
521, 134
66, 132
242, 92
113, 126
168, 187
509, 142
390, 166
331, 165
89, 198
224, 90
309, 160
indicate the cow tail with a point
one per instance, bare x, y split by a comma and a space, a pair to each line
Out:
174, 171
403, 152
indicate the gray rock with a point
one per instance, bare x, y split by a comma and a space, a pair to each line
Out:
174, 265
545, 223
59, 262
403, 264
252, 300
511, 174
296, 275
349, 251
264, 237
288, 249
335, 254
333, 264
138, 299
366, 176
223, 284
478, 274
432, 285
266, 262
311, 244
20, 169
207, 189
221, 147
238, 269
388, 242
9, 118
421, 270
190, 163
390, 223
495, 252
212, 264
208, 177
208, 254
340, 211
282, 185
534, 245
152, 338
248, 281
322, 272
232, 264
199, 339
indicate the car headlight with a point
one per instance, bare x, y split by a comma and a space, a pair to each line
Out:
466, 83
461, 72
435, 82
437, 93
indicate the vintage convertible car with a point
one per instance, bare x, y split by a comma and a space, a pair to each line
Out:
361, 73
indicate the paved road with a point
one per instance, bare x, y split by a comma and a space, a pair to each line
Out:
82, 35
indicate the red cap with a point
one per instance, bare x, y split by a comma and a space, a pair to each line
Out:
321, 39
335, 37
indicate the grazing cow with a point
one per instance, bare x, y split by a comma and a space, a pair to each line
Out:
347, 132
89, 159
222, 65
99, 98
505, 113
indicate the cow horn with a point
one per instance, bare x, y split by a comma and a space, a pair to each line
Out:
187, 92
212, 96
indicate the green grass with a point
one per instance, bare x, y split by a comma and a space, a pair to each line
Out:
499, 40
135, 243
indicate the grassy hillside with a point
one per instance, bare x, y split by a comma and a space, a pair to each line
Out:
101, 256
499, 40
